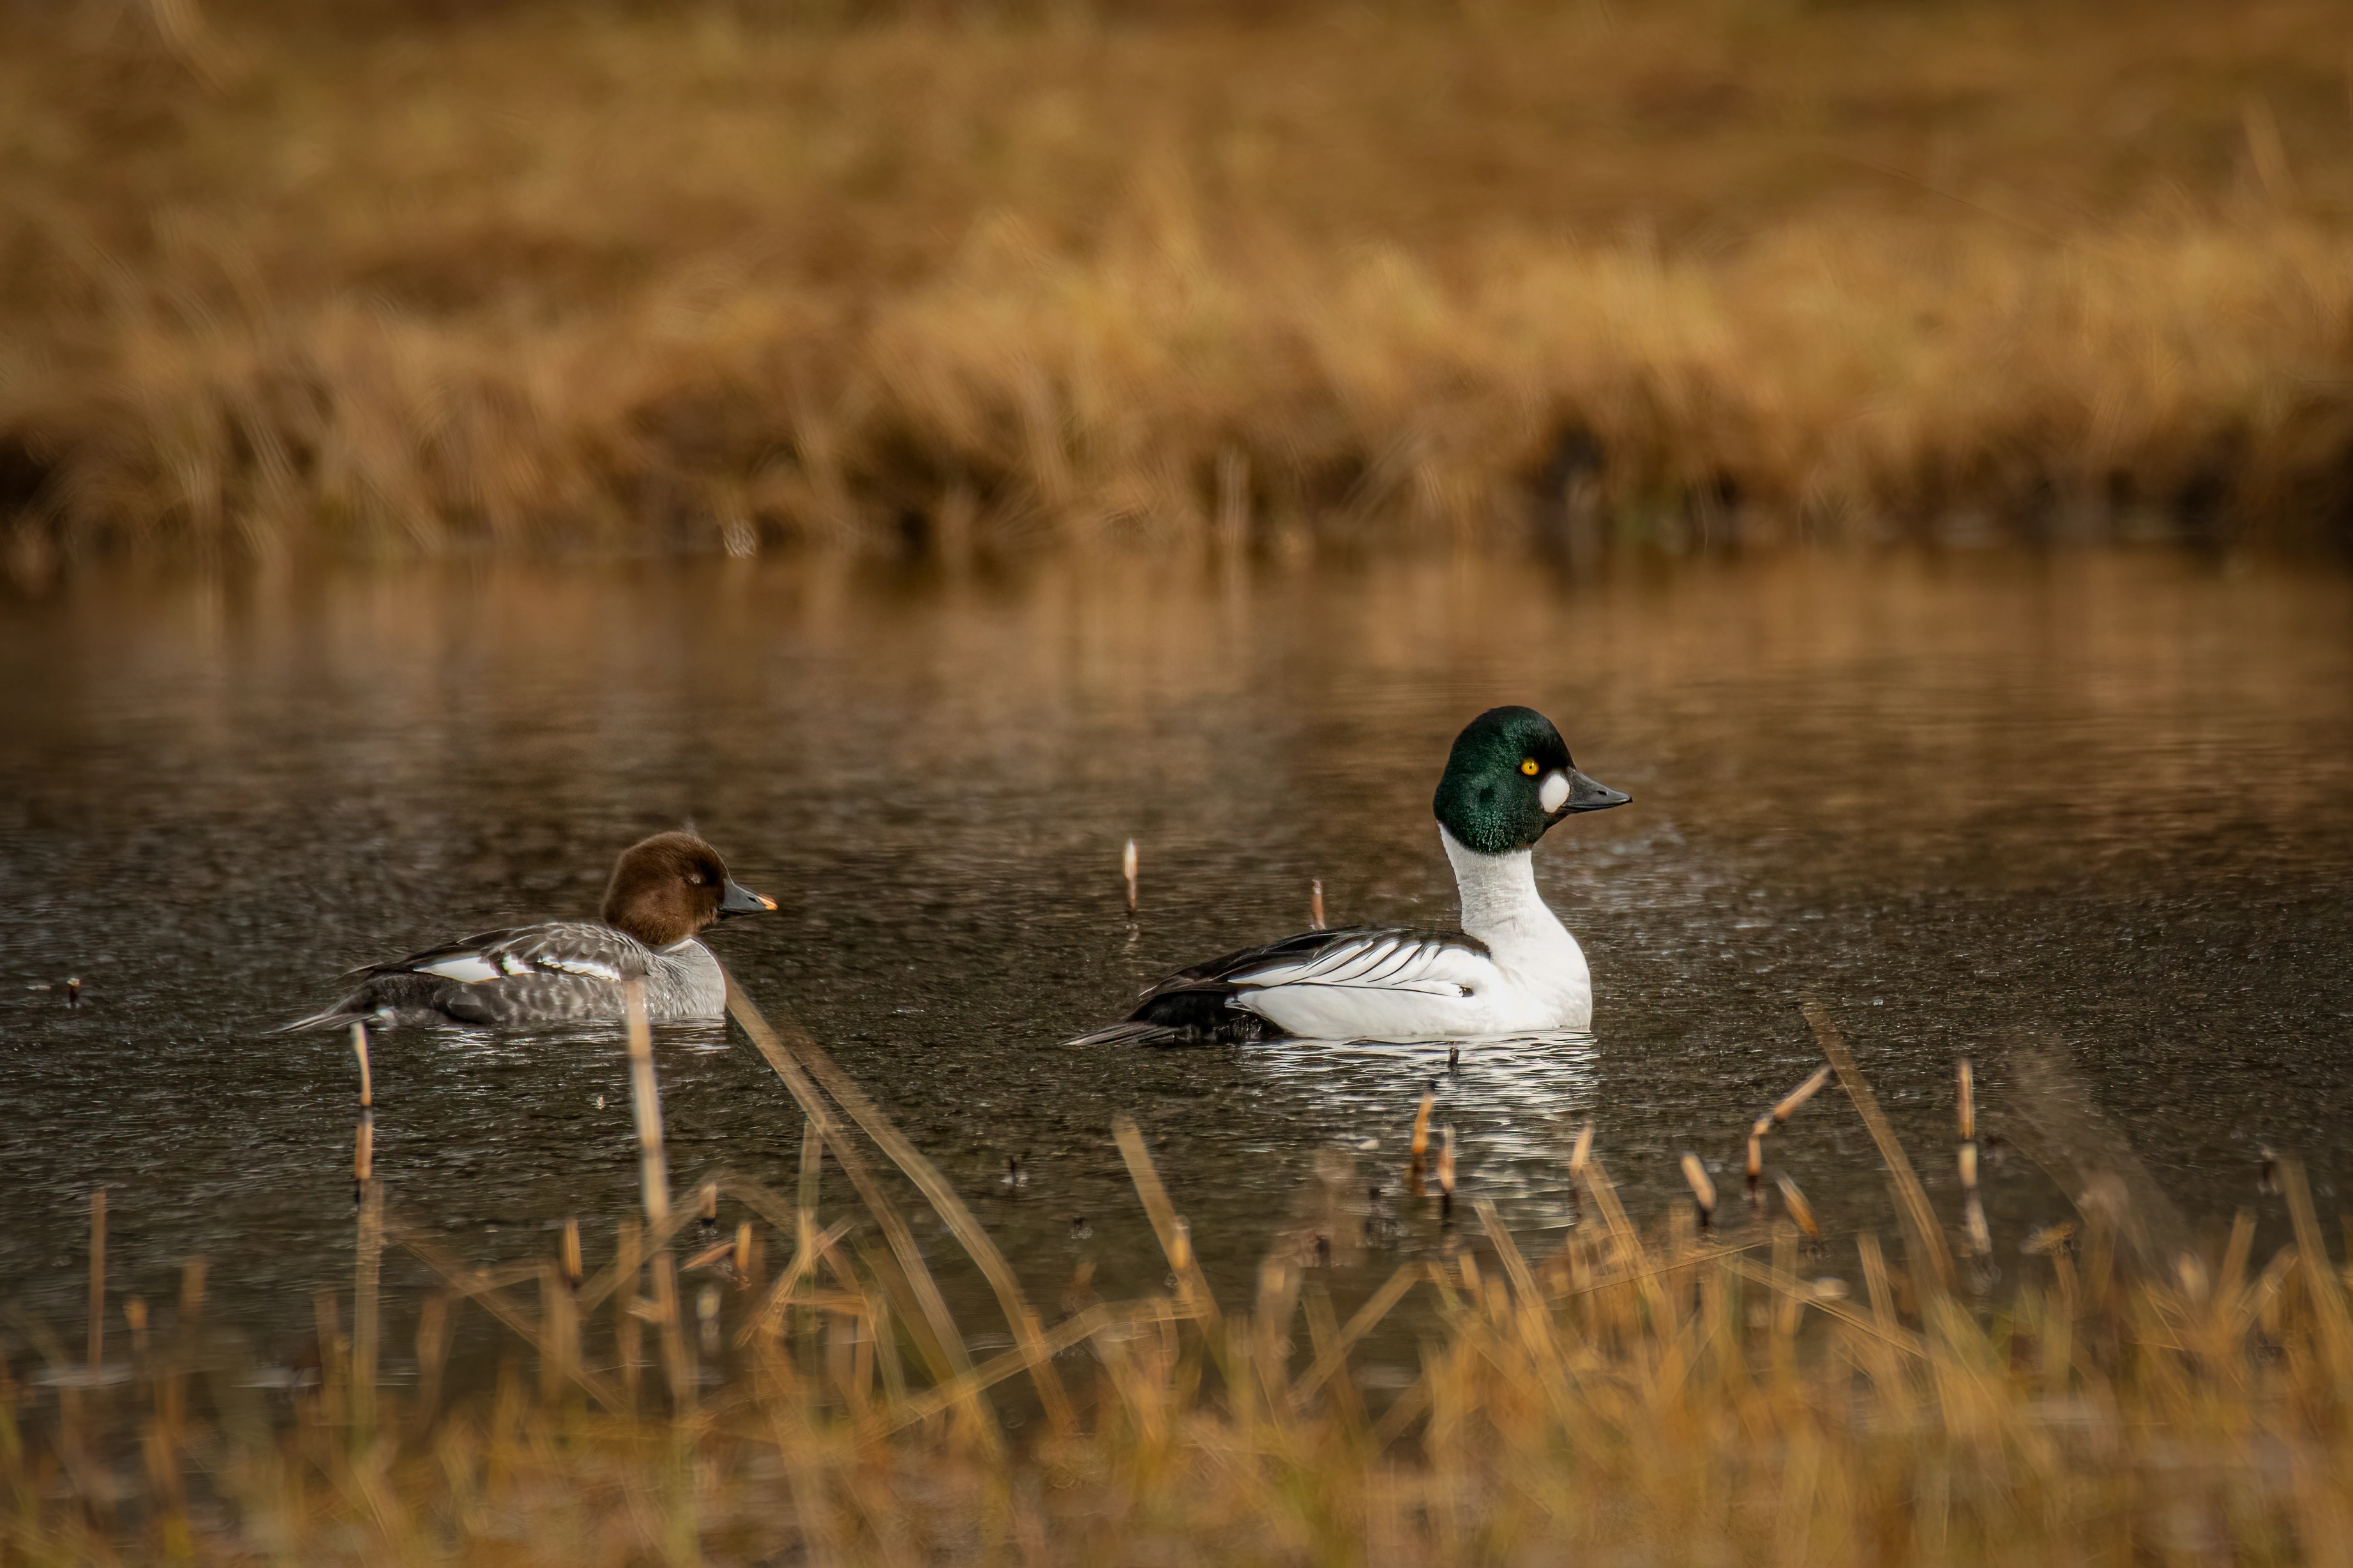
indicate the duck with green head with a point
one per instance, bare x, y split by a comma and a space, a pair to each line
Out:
1512, 969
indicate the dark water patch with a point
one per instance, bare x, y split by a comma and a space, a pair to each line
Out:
2100, 800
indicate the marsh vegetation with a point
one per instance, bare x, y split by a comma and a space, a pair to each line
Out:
1318, 276
1643, 1391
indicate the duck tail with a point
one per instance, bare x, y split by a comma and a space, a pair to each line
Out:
328, 1018
1173, 1013
1134, 1032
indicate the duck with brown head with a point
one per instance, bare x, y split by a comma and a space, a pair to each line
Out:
665, 891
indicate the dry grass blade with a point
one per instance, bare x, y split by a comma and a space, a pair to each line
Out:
97, 1352
1516, 1263
931, 1303
499, 1307
1421, 1144
1174, 1241
780, 1294
1702, 1190
1977, 1235
1786, 1106
2055, 1121
366, 1306
645, 1105
762, 1200
2326, 1291
1408, 1408
932, 1402
1758, 1273
1919, 1214
1322, 1332
678, 1368
1798, 1208
363, 1143
1637, 1262
472, 1283
1334, 1356
1783, 1109
627, 1260
1973, 1217
1652, 1269
935, 1189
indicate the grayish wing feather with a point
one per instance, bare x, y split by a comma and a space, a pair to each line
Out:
572, 948
560, 972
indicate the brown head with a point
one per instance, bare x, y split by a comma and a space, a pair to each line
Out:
667, 888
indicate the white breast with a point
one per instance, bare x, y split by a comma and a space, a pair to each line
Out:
1542, 979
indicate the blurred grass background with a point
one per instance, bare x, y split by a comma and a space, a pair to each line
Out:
281, 277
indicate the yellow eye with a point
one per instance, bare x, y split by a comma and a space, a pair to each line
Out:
1529, 767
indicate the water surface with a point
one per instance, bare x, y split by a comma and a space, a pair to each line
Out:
2095, 804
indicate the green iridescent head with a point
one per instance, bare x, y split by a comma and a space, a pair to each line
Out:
1508, 779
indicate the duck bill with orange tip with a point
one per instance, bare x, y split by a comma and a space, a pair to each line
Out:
736, 898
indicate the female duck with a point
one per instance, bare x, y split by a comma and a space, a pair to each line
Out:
664, 891
1512, 969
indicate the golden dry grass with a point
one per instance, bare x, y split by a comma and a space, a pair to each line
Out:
1711, 1409
1634, 1395
1711, 269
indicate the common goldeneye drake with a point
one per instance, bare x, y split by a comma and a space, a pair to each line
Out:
664, 890
1512, 969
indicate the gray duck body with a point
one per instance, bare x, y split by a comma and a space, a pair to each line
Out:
664, 891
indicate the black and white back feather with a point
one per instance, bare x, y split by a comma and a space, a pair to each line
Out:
1209, 1003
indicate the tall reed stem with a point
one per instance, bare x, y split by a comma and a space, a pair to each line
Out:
645, 1102
1920, 1217
96, 1281
805, 1062
627, 1331
366, 1322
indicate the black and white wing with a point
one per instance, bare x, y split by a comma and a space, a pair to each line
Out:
555, 972
1431, 963
1211, 1001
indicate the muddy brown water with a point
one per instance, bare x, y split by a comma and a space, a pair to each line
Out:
2095, 805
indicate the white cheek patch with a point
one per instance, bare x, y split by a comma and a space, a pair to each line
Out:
1554, 792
